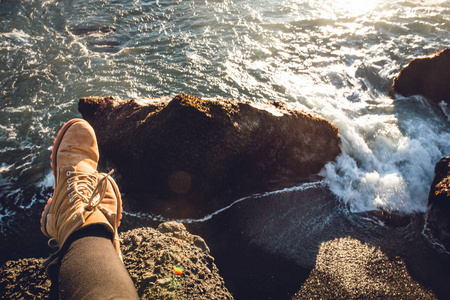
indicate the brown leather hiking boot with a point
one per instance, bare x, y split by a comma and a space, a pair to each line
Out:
82, 196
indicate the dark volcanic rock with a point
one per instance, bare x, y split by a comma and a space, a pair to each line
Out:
149, 256
192, 152
438, 213
428, 76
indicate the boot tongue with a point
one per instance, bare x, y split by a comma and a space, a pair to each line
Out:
86, 166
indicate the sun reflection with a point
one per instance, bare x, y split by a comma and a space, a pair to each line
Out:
356, 7
331, 9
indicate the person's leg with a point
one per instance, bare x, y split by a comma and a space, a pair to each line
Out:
91, 269
82, 220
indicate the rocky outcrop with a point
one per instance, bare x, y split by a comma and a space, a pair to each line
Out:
24, 279
428, 76
193, 153
348, 269
150, 257
270, 244
438, 213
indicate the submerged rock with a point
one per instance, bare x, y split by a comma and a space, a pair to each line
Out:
193, 153
428, 76
150, 256
438, 213
84, 29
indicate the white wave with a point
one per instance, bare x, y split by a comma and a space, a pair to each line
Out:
14, 192
5, 167
388, 159
47, 182
33, 201
428, 234
158, 218
16, 36
443, 105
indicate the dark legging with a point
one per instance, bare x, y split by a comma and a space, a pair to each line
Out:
90, 268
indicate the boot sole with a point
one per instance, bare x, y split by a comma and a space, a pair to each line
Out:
53, 164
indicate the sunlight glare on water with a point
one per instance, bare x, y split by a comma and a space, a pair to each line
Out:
335, 58
331, 9
386, 162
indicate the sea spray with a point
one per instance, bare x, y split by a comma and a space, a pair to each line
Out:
388, 163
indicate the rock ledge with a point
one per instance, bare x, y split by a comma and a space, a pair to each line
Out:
149, 256
196, 154
427, 76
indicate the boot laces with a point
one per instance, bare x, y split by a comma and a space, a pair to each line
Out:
86, 188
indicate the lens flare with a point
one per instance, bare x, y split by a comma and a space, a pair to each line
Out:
178, 270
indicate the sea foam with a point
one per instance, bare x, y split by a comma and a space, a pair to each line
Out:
388, 160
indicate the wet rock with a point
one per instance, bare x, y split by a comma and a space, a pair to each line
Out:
100, 38
197, 155
427, 76
438, 212
112, 45
150, 264
84, 29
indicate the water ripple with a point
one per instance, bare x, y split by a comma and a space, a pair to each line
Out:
337, 59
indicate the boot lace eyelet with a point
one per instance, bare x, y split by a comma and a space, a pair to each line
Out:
68, 173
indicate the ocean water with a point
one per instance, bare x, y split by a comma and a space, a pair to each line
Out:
335, 58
